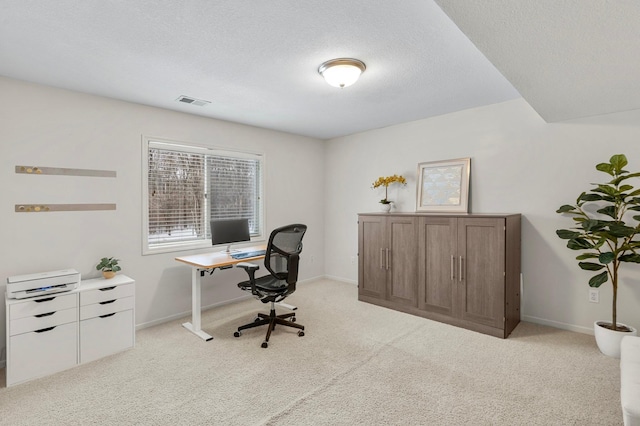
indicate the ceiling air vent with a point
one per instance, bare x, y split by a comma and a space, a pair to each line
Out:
192, 101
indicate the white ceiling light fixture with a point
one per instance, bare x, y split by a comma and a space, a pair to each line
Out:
342, 72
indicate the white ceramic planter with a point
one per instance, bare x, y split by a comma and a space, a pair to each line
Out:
385, 207
608, 341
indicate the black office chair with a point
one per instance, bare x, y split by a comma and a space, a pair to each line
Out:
281, 260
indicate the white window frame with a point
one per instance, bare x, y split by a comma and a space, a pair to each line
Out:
196, 243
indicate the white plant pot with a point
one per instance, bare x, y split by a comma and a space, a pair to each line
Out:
385, 207
608, 341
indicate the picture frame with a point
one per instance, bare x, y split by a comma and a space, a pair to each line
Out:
443, 186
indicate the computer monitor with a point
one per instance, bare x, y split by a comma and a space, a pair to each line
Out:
227, 231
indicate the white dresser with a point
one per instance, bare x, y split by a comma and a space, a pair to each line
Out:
52, 333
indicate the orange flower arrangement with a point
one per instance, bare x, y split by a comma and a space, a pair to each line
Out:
386, 181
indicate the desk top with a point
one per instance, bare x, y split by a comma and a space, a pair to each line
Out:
219, 258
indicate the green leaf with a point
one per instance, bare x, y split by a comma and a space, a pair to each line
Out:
635, 258
625, 188
566, 234
565, 209
621, 231
587, 256
605, 167
590, 197
579, 244
588, 266
619, 179
592, 225
607, 257
606, 189
635, 208
618, 161
599, 279
608, 211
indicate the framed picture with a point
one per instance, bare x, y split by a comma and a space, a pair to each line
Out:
443, 186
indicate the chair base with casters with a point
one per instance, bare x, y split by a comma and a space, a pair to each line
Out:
281, 261
288, 320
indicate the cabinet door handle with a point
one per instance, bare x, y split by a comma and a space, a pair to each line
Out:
107, 315
48, 299
460, 268
452, 268
388, 257
107, 288
43, 330
106, 302
44, 315
381, 258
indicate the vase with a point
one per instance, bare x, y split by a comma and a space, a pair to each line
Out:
608, 341
108, 274
385, 207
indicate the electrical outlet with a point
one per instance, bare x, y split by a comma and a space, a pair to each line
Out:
594, 295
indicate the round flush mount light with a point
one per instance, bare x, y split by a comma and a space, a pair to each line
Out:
342, 72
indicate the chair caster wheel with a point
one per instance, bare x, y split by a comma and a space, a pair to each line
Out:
300, 333
237, 334
265, 344
292, 319
256, 319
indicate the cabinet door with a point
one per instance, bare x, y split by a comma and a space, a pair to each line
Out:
481, 283
401, 254
372, 256
437, 272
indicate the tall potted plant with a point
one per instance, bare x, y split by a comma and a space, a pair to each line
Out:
607, 230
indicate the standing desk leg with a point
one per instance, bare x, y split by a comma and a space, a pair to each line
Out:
196, 307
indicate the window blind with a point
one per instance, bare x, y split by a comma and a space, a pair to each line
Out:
189, 186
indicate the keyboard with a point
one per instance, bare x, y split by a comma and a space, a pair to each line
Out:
247, 254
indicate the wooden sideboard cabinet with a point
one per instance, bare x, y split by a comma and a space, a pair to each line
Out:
51, 333
461, 269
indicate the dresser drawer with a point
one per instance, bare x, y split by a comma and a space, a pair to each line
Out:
106, 293
102, 336
43, 321
32, 355
31, 307
106, 307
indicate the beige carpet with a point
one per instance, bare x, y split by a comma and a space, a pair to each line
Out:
357, 364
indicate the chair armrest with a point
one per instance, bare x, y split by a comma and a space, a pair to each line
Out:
251, 269
247, 266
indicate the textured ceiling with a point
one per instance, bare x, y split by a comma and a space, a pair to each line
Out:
568, 59
256, 61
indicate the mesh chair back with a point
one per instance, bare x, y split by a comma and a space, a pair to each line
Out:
284, 243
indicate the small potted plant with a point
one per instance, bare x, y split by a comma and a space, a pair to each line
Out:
386, 181
607, 229
108, 266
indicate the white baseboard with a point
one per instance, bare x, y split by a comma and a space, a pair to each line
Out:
344, 280
188, 313
557, 324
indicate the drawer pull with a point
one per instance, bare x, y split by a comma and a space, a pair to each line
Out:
44, 315
107, 288
107, 302
48, 299
107, 315
43, 330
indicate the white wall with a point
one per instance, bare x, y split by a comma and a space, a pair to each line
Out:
520, 164
43, 126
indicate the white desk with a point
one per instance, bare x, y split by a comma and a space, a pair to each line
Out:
200, 263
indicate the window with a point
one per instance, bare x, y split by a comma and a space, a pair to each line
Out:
186, 186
